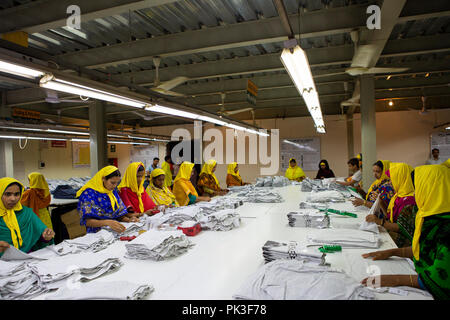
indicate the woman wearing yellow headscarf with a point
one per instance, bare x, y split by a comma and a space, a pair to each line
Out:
99, 203
207, 183
430, 248
132, 192
167, 171
19, 225
160, 194
183, 189
294, 172
38, 197
233, 176
382, 187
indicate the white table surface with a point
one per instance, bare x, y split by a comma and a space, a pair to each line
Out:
221, 261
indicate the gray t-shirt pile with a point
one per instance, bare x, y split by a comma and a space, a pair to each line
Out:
346, 238
158, 245
301, 280
90, 242
273, 250
176, 216
272, 181
223, 220
308, 218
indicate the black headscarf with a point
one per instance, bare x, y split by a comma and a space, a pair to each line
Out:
324, 173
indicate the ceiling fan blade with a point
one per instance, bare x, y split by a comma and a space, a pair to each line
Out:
236, 111
363, 56
386, 70
168, 85
168, 93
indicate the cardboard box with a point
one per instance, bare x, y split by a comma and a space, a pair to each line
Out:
72, 221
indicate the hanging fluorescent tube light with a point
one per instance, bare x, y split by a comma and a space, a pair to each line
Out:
50, 82
19, 70
32, 138
68, 132
297, 66
80, 140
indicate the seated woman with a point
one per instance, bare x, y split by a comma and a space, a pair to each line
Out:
353, 165
430, 248
183, 189
19, 225
324, 170
382, 187
399, 217
294, 172
99, 202
233, 176
132, 192
38, 197
207, 183
160, 194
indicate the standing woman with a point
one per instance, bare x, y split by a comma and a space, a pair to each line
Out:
132, 192
160, 194
183, 189
99, 202
167, 168
207, 183
324, 170
233, 176
294, 172
430, 248
38, 197
19, 225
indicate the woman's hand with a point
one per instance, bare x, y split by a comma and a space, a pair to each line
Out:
384, 280
3, 246
134, 219
373, 218
115, 225
378, 255
358, 202
48, 234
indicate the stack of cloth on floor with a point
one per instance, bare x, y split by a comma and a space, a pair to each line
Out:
18, 282
325, 196
223, 220
158, 245
96, 290
90, 242
273, 250
308, 218
176, 216
301, 280
346, 238
82, 267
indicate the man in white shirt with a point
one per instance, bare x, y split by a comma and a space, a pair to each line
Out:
353, 165
435, 157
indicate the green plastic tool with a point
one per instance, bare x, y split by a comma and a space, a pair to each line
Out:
342, 213
330, 248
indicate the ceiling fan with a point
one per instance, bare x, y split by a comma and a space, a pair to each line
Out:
224, 112
165, 87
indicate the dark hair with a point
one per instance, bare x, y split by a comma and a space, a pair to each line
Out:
292, 160
412, 178
141, 168
354, 162
167, 158
326, 164
435, 149
14, 183
379, 164
112, 175
156, 158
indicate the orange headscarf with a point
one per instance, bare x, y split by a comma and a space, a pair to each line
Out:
38, 196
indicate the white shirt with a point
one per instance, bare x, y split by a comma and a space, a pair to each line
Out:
432, 161
357, 176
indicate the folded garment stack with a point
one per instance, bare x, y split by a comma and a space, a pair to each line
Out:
325, 196
309, 218
292, 250
272, 181
158, 245
301, 280
90, 242
346, 238
260, 195
176, 216
96, 290
223, 220
132, 228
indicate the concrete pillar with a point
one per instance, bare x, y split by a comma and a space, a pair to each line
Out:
368, 128
98, 136
350, 138
6, 158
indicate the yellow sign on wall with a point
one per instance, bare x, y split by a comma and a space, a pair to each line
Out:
23, 113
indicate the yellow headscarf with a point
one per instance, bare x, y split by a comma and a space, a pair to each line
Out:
168, 174
293, 173
182, 185
386, 166
160, 196
446, 163
432, 184
37, 181
96, 183
8, 215
230, 170
401, 181
129, 180
207, 168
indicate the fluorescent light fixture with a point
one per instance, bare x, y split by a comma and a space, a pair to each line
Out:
69, 87
32, 138
128, 142
297, 66
19, 70
80, 140
212, 120
448, 128
68, 132
174, 112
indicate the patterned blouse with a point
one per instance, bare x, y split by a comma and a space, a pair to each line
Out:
406, 223
95, 205
207, 184
384, 189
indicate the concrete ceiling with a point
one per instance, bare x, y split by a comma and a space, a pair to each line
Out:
218, 45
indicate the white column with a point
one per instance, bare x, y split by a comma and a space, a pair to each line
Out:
98, 136
350, 137
6, 159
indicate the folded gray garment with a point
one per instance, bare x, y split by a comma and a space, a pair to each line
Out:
98, 290
223, 220
273, 250
301, 280
308, 219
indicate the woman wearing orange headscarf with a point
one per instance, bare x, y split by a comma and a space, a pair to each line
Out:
207, 183
38, 197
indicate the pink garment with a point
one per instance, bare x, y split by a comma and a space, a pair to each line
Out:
400, 203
